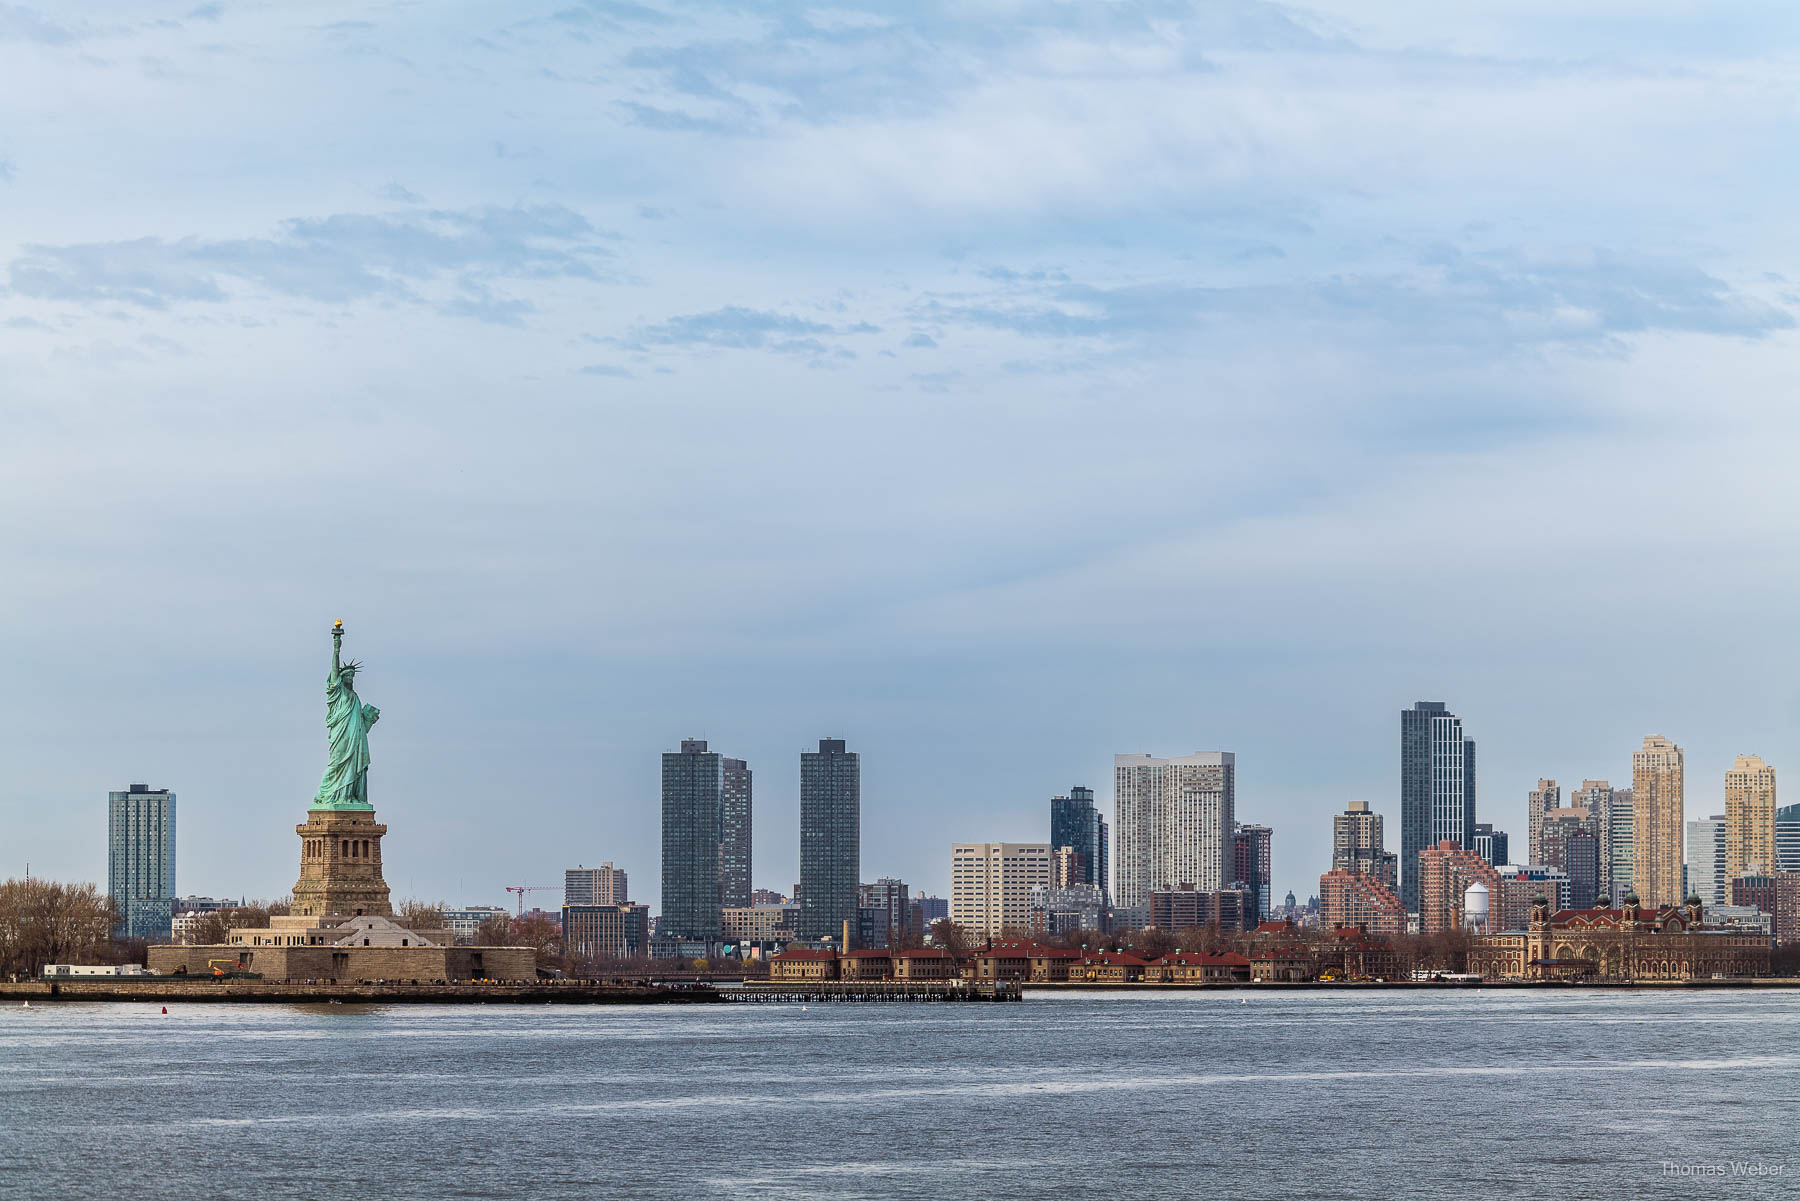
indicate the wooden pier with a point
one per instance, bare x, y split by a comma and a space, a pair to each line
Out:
796, 992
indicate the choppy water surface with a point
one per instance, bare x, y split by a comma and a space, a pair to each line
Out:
1568, 1094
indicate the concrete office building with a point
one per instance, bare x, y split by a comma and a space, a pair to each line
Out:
1437, 788
606, 931
830, 840
1657, 787
1075, 823
1175, 823
1749, 818
692, 779
735, 813
140, 870
991, 883
603, 885
463, 923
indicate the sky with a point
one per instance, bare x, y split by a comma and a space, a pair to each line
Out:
996, 386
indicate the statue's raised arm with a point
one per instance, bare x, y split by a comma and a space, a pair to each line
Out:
347, 721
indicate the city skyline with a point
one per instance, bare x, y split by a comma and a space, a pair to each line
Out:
1545, 788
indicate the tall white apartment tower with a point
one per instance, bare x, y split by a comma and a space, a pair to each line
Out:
1173, 820
991, 883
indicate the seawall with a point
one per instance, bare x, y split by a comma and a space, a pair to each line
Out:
204, 990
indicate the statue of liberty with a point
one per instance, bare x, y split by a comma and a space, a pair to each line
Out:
347, 722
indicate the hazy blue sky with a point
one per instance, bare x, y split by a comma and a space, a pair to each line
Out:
996, 386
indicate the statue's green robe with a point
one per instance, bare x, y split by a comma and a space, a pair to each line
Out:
346, 782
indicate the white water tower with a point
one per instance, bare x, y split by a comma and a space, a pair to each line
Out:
1475, 908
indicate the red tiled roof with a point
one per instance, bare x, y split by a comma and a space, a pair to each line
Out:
804, 955
923, 953
1055, 953
1115, 957
868, 953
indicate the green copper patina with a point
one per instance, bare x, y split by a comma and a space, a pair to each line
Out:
347, 722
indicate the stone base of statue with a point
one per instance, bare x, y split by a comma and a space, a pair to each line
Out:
340, 865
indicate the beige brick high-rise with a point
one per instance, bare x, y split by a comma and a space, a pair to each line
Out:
1749, 818
1656, 784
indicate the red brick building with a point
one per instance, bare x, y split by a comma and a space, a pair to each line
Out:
1445, 872
1349, 898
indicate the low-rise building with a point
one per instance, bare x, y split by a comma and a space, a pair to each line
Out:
1287, 964
1355, 953
803, 963
1191, 967
1107, 967
464, 923
867, 964
1629, 943
924, 964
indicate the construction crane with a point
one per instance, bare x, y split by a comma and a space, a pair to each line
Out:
522, 889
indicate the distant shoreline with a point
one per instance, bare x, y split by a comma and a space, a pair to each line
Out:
575, 993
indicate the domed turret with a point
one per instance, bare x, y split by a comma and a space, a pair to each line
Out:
1604, 901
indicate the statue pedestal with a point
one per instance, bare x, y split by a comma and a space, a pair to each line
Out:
340, 865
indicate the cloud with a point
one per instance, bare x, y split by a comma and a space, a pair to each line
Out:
1494, 299
606, 370
737, 328
336, 259
399, 194
921, 341
8, 172
21, 24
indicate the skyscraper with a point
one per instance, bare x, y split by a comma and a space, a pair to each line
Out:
140, 871
734, 834
1357, 846
830, 839
1749, 818
1075, 822
1596, 796
1437, 788
1539, 802
1175, 820
1706, 841
1250, 865
991, 883
1621, 855
1787, 839
1656, 785
691, 784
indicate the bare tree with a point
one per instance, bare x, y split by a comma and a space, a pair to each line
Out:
415, 914
952, 937
496, 931
45, 922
